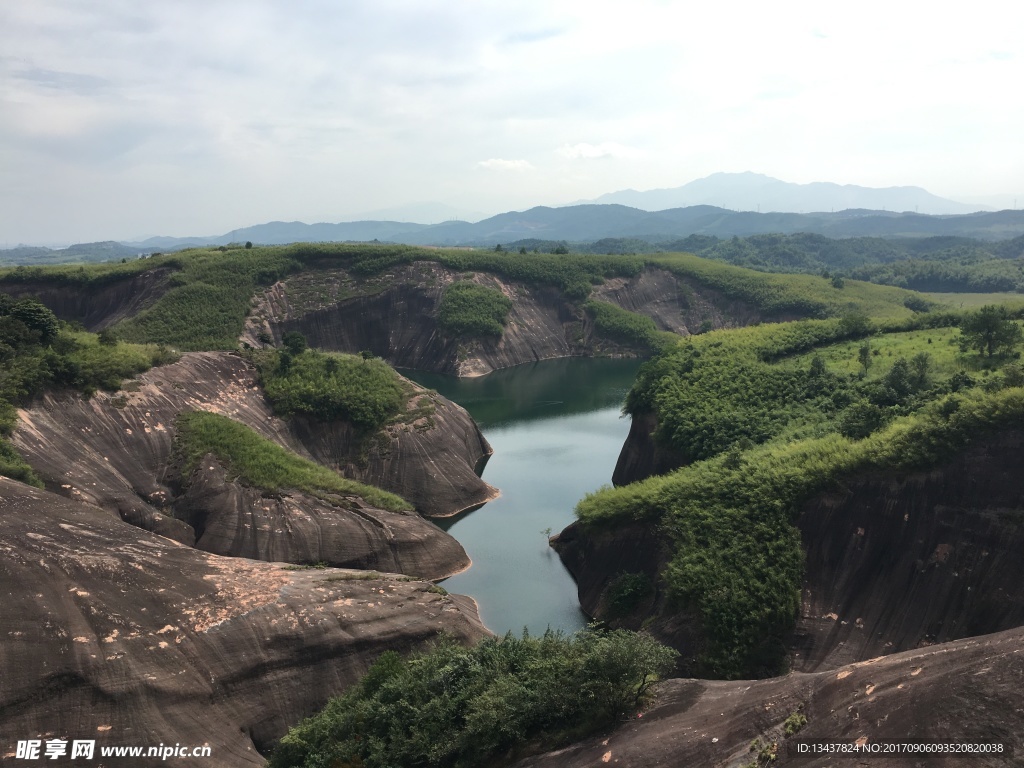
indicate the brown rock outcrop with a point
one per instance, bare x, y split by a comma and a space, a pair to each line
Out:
641, 455
967, 692
116, 451
394, 316
678, 304
293, 527
101, 306
901, 561
111, 633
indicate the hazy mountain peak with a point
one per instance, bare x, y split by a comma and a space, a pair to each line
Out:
749, 191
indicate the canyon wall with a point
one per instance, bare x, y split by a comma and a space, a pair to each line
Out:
116, 451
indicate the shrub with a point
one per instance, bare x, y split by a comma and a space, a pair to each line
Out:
471, 310
364, 392
455, 706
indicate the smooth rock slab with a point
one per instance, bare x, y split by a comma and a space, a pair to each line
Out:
113, 633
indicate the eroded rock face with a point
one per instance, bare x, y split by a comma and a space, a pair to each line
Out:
641, 455
893, 561
896, 562
395, 316
101, 306
967, 691
115, 451
677, 304
111, 633
293, 527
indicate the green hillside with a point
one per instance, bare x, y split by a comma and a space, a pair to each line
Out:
765, 417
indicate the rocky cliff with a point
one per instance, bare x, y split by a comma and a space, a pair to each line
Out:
902, 561
893, 561
111, 633
99, 306
394, 316
641, 455
116, 451
966, 691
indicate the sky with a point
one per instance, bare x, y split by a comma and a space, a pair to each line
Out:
123, 119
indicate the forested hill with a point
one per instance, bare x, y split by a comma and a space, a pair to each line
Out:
577, 223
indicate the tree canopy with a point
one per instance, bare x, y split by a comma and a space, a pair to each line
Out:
990, 330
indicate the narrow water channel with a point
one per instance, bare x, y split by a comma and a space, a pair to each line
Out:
556, 431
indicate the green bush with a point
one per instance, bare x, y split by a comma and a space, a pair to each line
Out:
464, 707
363, 391
471, 310
613, 322
260, 463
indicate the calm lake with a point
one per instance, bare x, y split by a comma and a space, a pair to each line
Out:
556, 430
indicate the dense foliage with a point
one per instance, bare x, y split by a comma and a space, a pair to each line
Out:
618, 324
738, 562
940, 263
462, 707
364, 391
261, 463
472, 310
765, 417
39, 354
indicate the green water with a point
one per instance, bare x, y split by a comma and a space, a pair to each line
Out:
556, 431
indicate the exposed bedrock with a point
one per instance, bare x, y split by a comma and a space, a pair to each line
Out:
893, 561
900, 561
641, 455
968, 692
116, 451
100, 306
677, 304
432, 462
114, 634
233, 519
395, 316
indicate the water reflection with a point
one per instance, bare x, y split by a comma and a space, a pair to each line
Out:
556, 430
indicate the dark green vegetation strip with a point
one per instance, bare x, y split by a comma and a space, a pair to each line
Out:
957, 264
463, 707
730, 516
613, 322
39, 354
363, 391
260, 463
470, 310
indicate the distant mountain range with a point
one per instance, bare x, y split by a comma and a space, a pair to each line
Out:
860, 212
756, 192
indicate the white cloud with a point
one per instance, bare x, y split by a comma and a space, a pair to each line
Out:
497, 164
176, 118
586, 151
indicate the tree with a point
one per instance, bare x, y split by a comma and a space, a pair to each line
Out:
248, 244
864, 356
294, 342
989, 330
37, 317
